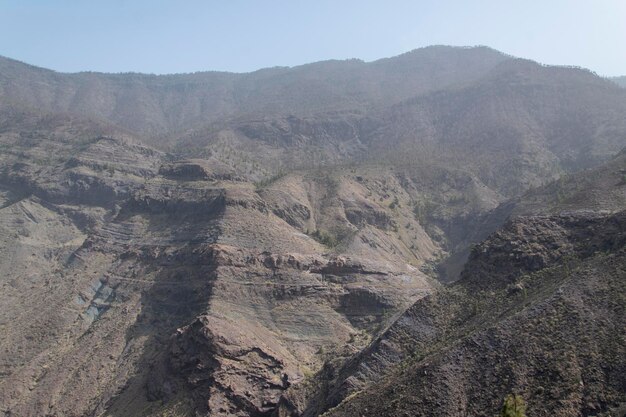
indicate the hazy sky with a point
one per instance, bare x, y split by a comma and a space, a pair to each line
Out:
162, 36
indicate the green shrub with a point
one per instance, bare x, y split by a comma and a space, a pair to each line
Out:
513, 406
324, 238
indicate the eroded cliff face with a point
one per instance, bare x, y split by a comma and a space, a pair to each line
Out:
145, 286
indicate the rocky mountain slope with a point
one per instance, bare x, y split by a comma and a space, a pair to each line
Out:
550, 331
275, 243
192, 288
538, 312
520, 116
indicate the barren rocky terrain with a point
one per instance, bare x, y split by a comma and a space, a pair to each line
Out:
419, 235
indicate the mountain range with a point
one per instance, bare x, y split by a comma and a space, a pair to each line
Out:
419, 235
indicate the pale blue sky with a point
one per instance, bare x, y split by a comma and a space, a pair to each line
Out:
165, 36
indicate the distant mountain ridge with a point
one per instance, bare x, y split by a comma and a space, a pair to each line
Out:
163, 104
538, 121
